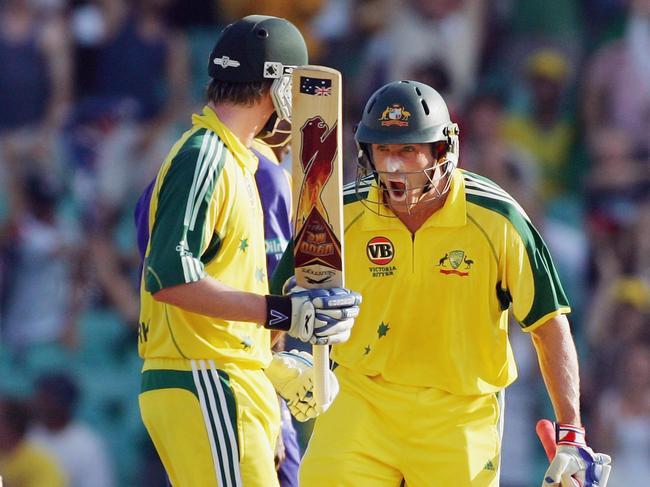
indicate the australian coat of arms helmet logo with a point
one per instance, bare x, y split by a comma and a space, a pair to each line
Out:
455, 262
395, 114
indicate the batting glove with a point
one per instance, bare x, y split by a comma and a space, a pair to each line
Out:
317, 316
575, 464
291, 374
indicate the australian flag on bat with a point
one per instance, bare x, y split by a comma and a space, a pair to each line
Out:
315, 86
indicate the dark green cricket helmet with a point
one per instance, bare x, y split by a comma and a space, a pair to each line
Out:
404, 112
255, 48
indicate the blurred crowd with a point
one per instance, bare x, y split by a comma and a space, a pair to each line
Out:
553, 101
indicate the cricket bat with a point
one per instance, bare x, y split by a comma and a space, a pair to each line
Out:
317, 171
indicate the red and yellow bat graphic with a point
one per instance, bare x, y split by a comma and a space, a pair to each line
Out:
317, 190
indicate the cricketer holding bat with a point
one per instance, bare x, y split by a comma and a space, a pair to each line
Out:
208, 399
440, 255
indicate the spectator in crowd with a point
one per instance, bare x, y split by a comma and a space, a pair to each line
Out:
617, 195
605, 18
35, 91
617, 84
300, 13
552, 19
624, 417
617, 191
370, 24
42, 303
422, 32
488, 152
615, 185
119, 130
544, 130
619, 316
76, 447
113, 268
22, 464
642, 235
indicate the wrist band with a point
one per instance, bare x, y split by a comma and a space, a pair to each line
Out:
567, 434
278, 312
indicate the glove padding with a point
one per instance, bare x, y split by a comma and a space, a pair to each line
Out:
575, 464
317, 316
291, 374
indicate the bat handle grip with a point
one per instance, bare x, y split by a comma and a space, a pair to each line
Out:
321, 370
546, 432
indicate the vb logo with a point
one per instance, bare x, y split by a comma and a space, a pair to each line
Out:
380, 250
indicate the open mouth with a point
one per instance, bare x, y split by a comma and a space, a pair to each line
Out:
397, 189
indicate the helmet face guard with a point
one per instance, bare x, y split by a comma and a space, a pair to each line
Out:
280, 88
272, 134
445, 161
407, 112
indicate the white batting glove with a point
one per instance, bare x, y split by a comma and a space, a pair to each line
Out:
317, 316
575, 464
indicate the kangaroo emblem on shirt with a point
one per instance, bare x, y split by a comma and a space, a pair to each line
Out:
451, 263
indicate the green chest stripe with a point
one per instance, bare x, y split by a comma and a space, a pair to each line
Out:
549, 294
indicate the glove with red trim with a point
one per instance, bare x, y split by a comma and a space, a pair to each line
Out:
575, 464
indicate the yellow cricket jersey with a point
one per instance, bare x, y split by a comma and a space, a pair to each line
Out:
29, 466
205, 219
550, 146
435, 303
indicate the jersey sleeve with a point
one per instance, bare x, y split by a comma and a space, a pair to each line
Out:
188, 201
533, 284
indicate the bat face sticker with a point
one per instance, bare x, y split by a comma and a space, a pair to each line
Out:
318, 151
317, 155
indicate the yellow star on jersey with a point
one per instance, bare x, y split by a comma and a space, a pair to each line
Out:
383, 329
243, 244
